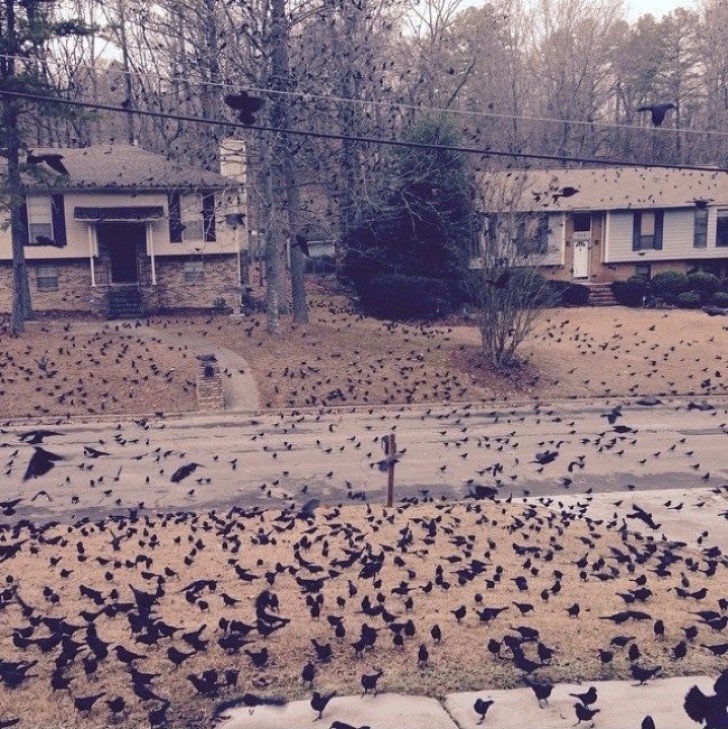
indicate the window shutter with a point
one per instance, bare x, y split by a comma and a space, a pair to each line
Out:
175, 220
208, 216
636, 231
658, 230
23, 214
58, 217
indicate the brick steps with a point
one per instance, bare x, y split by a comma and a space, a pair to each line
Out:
124, 302
601, 295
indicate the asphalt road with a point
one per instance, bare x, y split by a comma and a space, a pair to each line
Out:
283, 459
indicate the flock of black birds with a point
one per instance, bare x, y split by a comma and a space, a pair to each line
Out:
153, 616
95, 372
158, 616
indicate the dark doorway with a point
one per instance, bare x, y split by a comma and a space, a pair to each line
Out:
122, 242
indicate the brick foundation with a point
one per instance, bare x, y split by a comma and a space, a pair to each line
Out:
75, 293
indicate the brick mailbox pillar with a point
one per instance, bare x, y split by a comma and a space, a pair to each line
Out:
209, 384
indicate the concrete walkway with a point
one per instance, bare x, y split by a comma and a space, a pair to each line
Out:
240, 390
621, 704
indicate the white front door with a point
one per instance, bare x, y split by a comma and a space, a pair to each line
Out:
582, 253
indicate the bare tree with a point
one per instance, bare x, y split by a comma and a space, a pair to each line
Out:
507, 291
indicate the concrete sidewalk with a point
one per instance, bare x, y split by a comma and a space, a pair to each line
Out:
621, 704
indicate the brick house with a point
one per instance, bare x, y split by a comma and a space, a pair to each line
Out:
600, 224
127, 232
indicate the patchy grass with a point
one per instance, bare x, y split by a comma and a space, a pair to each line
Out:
343, 359
488, 542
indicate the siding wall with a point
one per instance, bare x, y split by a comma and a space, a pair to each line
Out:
677, 240
77, 233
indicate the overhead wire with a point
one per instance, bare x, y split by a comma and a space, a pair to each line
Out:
400, 105
486, 151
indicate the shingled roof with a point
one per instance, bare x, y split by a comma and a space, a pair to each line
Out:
605, 188
120, 167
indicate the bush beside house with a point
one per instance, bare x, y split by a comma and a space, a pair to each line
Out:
673, 288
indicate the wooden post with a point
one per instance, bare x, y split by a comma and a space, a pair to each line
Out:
391, 453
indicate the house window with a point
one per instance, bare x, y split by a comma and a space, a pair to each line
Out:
700, 230
647, 234
721, 228
582, 222
644, 270
40, 217
194, 272
46, 278
533, 233
192, 218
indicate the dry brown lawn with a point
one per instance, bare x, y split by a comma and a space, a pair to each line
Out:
476, 548
64, 368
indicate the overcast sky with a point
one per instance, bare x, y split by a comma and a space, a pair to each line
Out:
658, 8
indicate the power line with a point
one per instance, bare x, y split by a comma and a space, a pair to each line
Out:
308, 96
486, 152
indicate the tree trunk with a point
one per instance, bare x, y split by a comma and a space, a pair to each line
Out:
298, 260
21, 306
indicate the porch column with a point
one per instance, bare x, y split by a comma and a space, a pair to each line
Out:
150, 248
91, 253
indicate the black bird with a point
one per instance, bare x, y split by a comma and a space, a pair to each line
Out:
323, 651
657, 111
52, 159
246, 106
117, 705
178, 657
541, 689
126, 656
423, 655
459, 613
308, 673
500, 281
91, 452
369, 681
183, 471
481, 707
86, 703
158, 717
642, 675
302, 243
320, 701
259, 659
40, 463
588, 697
647, 723
36, 437
436, 633
583, 713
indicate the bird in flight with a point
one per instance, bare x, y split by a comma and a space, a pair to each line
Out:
245, 105
657, 111
52, 159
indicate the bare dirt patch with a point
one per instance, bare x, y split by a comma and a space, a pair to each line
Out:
440, 556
